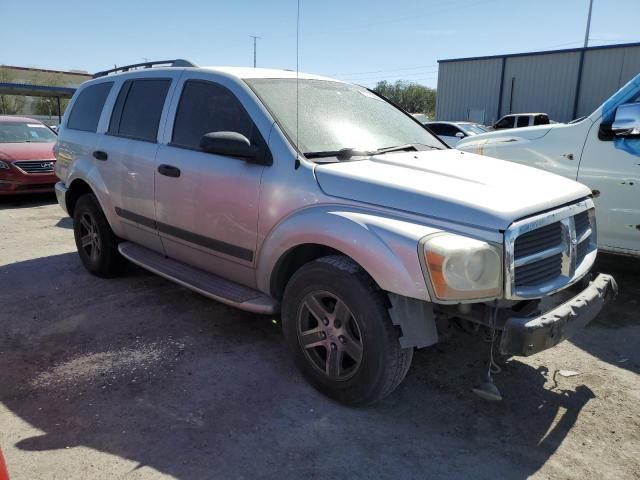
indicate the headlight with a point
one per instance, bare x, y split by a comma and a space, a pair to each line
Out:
3, 165
462, 268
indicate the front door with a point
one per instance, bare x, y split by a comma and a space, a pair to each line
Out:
611, 168
207, 204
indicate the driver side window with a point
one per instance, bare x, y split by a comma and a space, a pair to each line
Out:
207, 107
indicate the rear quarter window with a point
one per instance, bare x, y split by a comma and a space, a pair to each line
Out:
541, 120
87, 108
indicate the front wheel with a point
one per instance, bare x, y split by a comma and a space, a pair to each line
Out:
336, 322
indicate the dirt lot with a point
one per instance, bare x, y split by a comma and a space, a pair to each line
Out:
139, 378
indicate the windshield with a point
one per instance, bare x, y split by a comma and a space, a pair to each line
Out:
337, 116
473, 128
19, 132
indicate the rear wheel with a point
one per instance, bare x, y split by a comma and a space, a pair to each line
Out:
336, 322
97, 244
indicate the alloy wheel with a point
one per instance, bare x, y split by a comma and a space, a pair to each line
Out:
329, 335
89, 238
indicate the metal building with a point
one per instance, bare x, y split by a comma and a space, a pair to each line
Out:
566, 84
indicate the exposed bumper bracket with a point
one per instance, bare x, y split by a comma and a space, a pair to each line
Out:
524, 336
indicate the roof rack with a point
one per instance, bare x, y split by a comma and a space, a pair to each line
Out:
169, 63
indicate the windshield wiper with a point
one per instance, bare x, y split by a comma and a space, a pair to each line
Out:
348, 153
342, 154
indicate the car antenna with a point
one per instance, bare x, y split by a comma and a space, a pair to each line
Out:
487, 389
297, 163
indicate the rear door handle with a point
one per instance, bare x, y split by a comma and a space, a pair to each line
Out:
168, 170
100, 155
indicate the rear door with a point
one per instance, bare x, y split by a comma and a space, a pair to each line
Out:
207, 204
126, 154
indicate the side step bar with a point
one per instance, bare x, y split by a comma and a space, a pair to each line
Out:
207, 284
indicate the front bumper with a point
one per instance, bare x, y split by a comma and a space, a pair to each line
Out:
14, 181
61, 195
524, 336
37, 185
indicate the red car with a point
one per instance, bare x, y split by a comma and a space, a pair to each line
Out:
4, 475
26, 156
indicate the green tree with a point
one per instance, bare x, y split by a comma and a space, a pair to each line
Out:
10, 104
410, 96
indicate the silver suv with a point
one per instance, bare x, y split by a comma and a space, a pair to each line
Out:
319, 200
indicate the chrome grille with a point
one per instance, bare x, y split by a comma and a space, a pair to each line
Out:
539, 239
582, 222
539, 272
36, 166
549, 251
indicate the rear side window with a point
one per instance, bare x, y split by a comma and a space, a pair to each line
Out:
206, 107
523, 122
541, 120
138, 109
88, 106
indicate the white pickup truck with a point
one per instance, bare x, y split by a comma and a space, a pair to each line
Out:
602, 151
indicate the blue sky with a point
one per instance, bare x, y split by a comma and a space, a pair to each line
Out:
360, 41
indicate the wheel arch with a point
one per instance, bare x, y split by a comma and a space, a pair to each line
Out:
386, 249
76, 189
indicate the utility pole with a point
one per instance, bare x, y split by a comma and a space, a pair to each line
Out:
586, 34
254, 49
576, 98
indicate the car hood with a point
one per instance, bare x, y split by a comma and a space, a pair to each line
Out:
26, 151
509, 135
448, 184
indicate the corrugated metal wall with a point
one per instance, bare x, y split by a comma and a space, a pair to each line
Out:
468, 86
604, 72
543, 82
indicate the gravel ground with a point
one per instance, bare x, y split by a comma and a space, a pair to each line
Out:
138, 378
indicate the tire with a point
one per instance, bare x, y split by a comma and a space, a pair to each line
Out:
97, 244
358, 360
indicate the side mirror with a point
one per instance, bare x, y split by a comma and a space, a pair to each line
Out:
459, 134
627, 120
231, 144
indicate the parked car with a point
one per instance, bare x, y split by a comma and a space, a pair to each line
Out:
4, 474
359, 230
26, 156
602, 151
519, 120
452, 132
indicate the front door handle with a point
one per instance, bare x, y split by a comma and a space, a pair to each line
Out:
100, 155
168, 170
